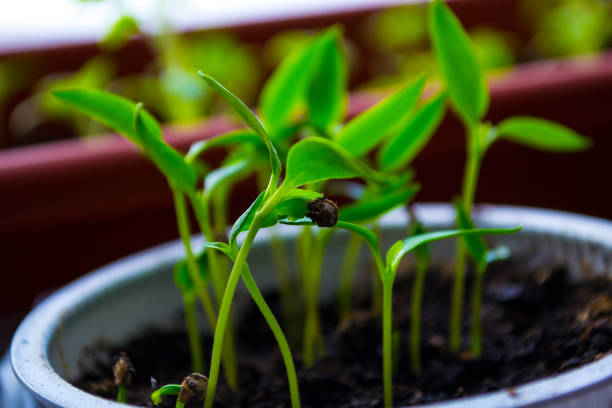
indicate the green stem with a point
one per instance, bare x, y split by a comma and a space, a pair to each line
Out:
283, 274
251, 286
122, 394
312, 331
476, 344
387, 314
470, 178
195, 345
347, 274
192, 266
218, 279
228, 297
377, 288
179, 404
415, 319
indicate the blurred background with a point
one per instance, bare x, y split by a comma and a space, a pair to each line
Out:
74, 197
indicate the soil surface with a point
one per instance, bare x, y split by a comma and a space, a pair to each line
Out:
535, 324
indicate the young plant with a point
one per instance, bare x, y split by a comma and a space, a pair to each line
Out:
123, 372
192, 389
482, 257
138, 126
309, 161
387, 271
469, 95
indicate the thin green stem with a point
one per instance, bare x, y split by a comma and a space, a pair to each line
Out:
377, 288
251, 286
387, 314
312, 284
192, 266
228, 296
218, 278
476, 343
195, 344
470, 178
122, 394
347, 274
415, 318
179, 404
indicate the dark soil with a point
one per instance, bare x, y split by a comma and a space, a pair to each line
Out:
535, 324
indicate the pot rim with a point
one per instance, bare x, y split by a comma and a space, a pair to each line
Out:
29, 354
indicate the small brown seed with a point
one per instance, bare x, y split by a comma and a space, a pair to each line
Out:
323, 212
193, 387
123, 370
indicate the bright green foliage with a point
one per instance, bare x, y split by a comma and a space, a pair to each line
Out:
225, 175
317, 159
312, 78
461, 70
111, 110
365, 131
542, 134
167, 160
252, 121
401, 149
233, 138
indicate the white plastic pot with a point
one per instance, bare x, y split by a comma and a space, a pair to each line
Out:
118, 301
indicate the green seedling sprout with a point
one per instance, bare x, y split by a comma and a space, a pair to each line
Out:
309, 161
482, 257
139, 127
469, 95
170, 390
123, 372
387, 271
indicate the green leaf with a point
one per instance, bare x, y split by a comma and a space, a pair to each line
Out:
109, 109
244, 221
167, 160
183, 281
170, 389
422, 251
221, 247
252, 121
369, 208
461, 70
316, 159
226, 175
120, 33
413, 242
475, 244
327, 92
235, 137
287, 88
542, 134
365, 233
365, 131
400, 150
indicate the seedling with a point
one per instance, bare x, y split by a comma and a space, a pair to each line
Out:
469, 95
387, 271
193, 388
123, 372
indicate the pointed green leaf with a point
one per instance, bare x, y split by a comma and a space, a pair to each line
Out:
412, 242
365, 131
227, 174
252, 121
316, 159
167, 160
400, 150
327, 91
244, 221
235, 137
287, 88
542, 134
221, 247
109, 109
461, 70
369, 208
476, 245
365, 233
